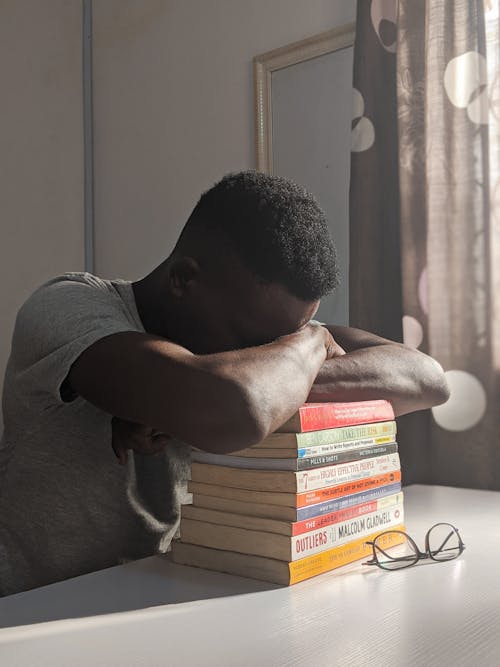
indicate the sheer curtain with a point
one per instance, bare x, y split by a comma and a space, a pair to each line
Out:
425, 217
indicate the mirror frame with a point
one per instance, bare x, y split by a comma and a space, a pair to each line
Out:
291, 54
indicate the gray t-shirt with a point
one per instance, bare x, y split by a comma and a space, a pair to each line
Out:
66, 506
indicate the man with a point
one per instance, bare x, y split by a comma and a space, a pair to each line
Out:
214, 348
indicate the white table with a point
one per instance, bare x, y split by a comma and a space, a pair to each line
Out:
154, 613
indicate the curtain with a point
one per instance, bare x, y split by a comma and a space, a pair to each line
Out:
425, 217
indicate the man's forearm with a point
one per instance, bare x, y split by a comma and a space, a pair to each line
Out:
374, 368
220, 402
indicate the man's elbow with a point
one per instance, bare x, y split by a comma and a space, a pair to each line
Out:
435, 386
239, 425
441, 392
234, 437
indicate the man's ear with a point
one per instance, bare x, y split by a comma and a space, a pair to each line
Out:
184, 274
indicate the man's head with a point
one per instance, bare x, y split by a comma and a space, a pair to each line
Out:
274, 227
251, 264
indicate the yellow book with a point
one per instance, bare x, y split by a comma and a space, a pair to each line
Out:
276, 571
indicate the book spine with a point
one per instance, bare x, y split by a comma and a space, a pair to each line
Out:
333, 448
300, 527
336, 435
293, 452
339, 490
347, 455
280, 439
337, 534
316, 416
318, 478
325, 561
312, 511
292, 464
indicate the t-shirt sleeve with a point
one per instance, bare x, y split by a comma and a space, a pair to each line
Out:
60, 320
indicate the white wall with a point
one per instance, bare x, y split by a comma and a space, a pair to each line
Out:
174, 109
41, 159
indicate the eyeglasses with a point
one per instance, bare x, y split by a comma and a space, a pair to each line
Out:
442, 542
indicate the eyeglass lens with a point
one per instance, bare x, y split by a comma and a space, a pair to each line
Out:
443, 542
397, 557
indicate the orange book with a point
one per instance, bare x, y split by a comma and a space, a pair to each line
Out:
294, 499
285, 547
320, 495
250, 521
290, 481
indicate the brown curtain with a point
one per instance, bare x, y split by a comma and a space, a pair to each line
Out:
425, 219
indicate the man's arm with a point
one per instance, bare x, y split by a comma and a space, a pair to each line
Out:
217, 402
374, 367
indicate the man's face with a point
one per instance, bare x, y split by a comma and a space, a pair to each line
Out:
233, 310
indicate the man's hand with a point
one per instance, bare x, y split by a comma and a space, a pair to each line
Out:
333, 349
376, 367
316, 330
130, 435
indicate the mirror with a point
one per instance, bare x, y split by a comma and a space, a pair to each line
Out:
303, 128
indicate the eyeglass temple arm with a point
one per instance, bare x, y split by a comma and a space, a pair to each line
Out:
386, 554
374, 559
420, 554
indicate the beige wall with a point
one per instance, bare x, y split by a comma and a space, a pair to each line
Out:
41, 161
173, 96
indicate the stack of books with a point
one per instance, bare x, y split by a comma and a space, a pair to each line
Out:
302, 502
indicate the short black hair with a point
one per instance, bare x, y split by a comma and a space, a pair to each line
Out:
275, 227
